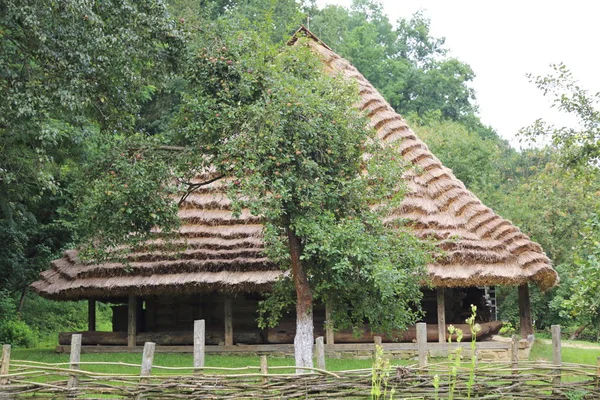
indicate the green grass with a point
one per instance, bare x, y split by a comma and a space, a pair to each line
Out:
174, 360
543, 352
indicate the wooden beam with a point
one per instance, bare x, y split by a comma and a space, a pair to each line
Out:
329, 334
91, 315
132, 320
441, 314
525, 311
228, 322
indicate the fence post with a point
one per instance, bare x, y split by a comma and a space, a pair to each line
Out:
147, 359
320, 352
199, 343
556, 353
597, 371
5, 363
74, 359
514, 354
264, 369
422, 343
377, 340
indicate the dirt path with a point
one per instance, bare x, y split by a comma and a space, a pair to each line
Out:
587, 346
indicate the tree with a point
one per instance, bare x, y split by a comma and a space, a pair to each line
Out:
577, 154
72, 74
291, 143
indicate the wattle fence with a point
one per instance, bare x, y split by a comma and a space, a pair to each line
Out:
453, 379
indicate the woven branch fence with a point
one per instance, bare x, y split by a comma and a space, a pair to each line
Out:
443, 380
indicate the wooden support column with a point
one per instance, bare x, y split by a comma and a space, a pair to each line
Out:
91, 315
441, 312
525, 311
228, 322
328, 325
132, 309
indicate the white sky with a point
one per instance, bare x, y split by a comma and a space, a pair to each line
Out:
503, 41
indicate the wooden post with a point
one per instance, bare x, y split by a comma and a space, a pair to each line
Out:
74, 359
441, 311
4, 366
422, 343
132, 321
377, 340
147, 359
199, 343
329, 335
514, 354
91, 315
525, 311
320, 352
556, 353
264, 368
597, 371
228, 323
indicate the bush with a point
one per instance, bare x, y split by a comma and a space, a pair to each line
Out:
16, 333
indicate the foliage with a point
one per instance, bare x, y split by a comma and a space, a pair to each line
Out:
17, 333
579, 145
380, 376
407, 65
70, 72
292, 143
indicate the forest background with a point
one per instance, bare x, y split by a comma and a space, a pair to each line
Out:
78, 82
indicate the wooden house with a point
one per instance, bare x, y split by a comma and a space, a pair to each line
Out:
220, 275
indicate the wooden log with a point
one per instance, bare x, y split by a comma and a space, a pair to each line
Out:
131, 320
526, 321
441, 314
5, 364
199, 343
228, 322
422, 343
284, 333
320, 352
177, 338
91, 315
556, 354
329, 333
74, 360
264, 369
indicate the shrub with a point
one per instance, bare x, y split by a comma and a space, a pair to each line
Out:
16, 333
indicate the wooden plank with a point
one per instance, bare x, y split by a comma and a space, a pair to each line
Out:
199, 343
556, 353
329, 333
525, 311
264, 369
131, 320
5, 363
422, 343
74, 360
441, 313
320, 352
228, 322
91, 315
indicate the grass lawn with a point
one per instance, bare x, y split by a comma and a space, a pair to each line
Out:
540, 351
48, 355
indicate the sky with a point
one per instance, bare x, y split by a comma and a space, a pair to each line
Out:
505, 40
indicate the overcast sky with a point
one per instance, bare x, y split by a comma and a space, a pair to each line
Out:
505, 40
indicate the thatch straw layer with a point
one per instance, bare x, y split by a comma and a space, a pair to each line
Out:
224, 253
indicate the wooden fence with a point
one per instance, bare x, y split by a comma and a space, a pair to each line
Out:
441, 380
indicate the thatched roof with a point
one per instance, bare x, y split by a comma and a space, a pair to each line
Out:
226, 253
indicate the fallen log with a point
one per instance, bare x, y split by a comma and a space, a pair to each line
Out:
176, 338
286, 331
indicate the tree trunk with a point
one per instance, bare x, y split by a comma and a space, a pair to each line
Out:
303, 341
577, 332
